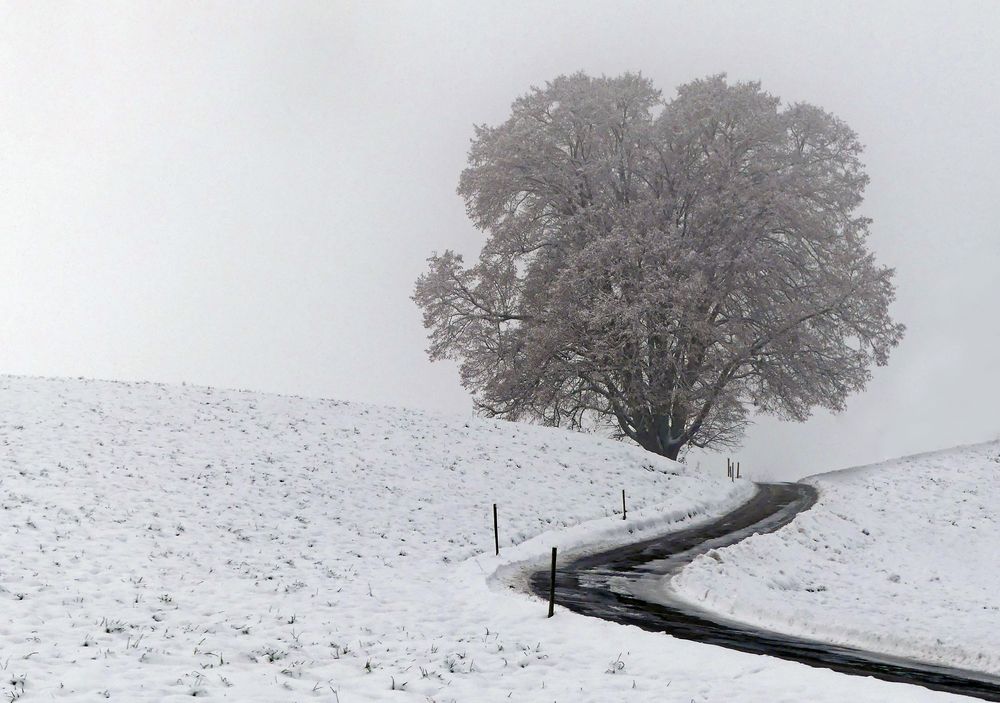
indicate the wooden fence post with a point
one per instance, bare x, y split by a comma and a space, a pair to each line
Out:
496, 530
552, 586
623, 504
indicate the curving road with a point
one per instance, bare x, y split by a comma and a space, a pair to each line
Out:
624, 585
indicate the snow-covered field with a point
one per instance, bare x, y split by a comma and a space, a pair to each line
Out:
899, 557
158, 543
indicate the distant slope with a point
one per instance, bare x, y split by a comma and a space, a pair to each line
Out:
898, 557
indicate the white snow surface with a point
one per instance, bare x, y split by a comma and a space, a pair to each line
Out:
159, 543
898, 557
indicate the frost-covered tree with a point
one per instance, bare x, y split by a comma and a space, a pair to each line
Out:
665, 267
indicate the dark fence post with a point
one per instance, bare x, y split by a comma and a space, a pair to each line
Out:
737, 469
496, 530
552, 586
623, 504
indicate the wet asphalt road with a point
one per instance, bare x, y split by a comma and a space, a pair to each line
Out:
621, 585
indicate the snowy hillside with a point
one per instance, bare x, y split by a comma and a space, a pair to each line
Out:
898, 557
160, 543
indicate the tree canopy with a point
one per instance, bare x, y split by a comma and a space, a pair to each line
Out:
662, 267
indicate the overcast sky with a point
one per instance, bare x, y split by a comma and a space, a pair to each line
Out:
241, 194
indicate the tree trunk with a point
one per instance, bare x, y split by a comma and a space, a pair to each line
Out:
650, 441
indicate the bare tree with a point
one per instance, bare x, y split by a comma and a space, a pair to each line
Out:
663, 267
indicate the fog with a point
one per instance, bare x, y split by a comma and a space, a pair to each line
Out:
241, 195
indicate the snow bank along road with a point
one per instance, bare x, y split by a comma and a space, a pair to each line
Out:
625, 585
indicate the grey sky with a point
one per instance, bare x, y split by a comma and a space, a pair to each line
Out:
242, 194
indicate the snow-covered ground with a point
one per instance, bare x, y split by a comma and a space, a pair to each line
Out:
898, 557
158, 543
